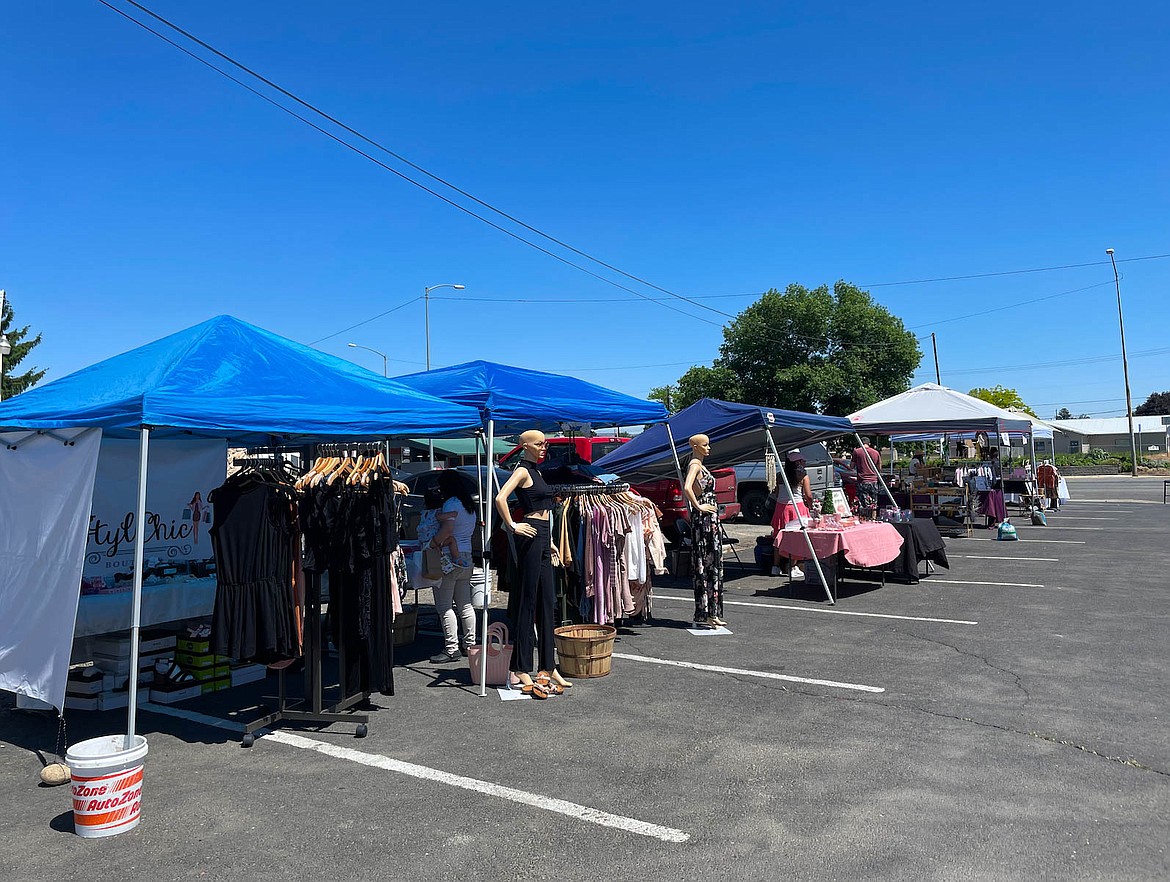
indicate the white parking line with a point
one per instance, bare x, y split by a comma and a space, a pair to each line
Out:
933, 581
1030, 539
743, 672
547, 803
813, 609
994, 557
1064, 517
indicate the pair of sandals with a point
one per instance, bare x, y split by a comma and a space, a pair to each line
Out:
542, 687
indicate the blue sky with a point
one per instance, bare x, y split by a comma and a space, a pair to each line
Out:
711, 151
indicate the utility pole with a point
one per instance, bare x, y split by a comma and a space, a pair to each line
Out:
1124, 368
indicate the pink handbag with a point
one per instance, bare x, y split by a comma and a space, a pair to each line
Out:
499, 656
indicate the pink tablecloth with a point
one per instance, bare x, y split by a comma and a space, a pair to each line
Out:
865, 545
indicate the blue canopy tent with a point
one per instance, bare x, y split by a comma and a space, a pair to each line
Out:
737, 433
512, 399
515, 399
227, 379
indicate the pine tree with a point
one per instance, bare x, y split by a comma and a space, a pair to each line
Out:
14, 383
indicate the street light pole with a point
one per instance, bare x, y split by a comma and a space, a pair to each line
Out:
1124, 368
385, 360
427, 337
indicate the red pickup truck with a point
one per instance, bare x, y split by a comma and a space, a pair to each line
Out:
664, 493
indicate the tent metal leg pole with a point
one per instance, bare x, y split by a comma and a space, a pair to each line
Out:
877, 469
674, 453
803, 526
487, 548
136, 602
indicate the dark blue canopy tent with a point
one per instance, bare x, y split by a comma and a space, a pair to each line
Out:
227, 379
512, 399
738, 432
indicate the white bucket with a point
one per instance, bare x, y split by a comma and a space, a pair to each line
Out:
107, 785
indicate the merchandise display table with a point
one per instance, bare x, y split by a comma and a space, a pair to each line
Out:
867, 545
170, 602
921, 541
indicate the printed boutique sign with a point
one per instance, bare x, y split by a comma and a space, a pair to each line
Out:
178, 516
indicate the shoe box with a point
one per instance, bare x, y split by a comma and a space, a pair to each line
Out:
247, 673
160, 695
117, 645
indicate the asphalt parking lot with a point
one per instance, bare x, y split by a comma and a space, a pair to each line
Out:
1005, 719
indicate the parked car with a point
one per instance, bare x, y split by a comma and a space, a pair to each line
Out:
567, 451
668, 496
758, 501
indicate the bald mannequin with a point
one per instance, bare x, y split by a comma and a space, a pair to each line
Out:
700, 450
533, 558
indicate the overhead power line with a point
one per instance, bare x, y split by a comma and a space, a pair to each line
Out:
663, 302
1019, 272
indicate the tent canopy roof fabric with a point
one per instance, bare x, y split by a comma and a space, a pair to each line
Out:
931, 408
736, 432
518, 398
225, 378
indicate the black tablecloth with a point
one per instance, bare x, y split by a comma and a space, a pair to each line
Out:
921, 540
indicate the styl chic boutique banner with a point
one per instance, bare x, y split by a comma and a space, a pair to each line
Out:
178, 515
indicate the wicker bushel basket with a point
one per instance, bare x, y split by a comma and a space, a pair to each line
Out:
585, 650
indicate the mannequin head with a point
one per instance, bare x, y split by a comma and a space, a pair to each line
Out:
700, 446
534, 445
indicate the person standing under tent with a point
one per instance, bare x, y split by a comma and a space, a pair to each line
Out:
867, 462
533, 550
457, 523
789, 509
917, 464
1049, 480
991, 503
706, 536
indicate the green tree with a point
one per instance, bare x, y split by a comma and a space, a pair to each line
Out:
666, 394
1003, 397
819, 350
1157, 404
1063, 414
14, 383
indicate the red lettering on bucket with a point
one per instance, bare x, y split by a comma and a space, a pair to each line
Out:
86, 790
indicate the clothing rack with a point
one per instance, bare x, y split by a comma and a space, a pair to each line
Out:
610, 489
312, 708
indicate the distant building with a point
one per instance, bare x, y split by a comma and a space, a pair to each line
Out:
1111, 435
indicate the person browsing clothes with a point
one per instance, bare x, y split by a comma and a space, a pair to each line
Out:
790, 508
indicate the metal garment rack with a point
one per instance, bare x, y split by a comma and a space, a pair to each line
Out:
312, 708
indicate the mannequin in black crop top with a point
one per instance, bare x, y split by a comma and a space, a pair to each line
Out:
534, 560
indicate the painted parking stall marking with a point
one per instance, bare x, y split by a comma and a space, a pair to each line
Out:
745, 672
996, 557
830, 612
547, 803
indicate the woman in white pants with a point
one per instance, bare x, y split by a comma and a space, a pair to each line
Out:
457, 523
